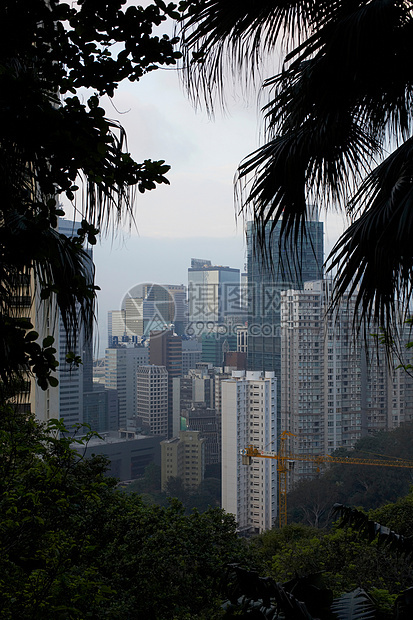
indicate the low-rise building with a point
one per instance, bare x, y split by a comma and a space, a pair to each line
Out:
183, 457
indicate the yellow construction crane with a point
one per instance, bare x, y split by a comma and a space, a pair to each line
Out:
283, 459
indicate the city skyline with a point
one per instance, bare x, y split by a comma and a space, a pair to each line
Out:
195, 215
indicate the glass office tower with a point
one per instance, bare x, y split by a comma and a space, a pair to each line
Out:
280, 266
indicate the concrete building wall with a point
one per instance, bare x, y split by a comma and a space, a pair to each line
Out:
128, 456
152, 399
249, 417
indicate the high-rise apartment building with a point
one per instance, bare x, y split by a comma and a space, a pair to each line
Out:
332, 392
152, 399
249, 417
271, 271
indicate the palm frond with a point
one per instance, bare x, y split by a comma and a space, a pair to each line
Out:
218, 36
282, 178
355, 605
342, 99
373, 258
373, 530
67, 276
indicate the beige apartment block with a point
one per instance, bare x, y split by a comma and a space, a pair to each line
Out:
183, 457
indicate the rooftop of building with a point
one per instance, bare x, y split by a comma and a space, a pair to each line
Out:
214, 268
113, 437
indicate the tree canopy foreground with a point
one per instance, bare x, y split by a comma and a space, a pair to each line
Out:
74, 546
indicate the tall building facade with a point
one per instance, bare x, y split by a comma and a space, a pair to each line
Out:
116, 327
100, 409
332, 392
249, 417
199, 417
191, 355
270, 272
180, 307
215, 346
44, 404
66, 400
74, 381
165, 349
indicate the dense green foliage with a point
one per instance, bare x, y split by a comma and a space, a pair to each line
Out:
358, 555
356, 485
73, 546
206, 495
346, 560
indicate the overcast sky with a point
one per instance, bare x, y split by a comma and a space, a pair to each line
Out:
195, 215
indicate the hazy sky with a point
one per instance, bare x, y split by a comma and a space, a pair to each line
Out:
195, 215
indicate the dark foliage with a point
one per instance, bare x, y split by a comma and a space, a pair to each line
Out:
364, 563
54, 145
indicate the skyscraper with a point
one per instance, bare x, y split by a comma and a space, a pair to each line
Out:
213, 295
165, 349
66, 400
74, 381
149, 307
121, 366
280, 267
116, 327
